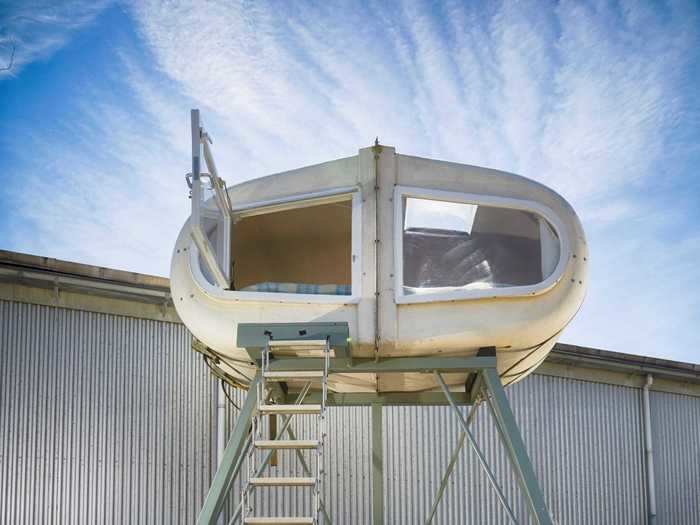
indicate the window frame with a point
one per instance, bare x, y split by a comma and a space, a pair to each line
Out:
284, 203
401, 192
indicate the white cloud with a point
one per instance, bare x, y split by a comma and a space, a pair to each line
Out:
32, 30
586, 98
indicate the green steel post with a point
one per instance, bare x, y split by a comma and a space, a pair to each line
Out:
229, 466
514, 441
377, 466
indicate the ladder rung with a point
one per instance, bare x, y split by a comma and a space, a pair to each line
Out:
282, 482
290, 409
286, 443
306, 343
300, 348
301, 374
279, 521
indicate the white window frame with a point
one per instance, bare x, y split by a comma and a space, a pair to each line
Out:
287, 203
401, 192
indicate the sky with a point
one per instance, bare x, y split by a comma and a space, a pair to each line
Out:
598, 100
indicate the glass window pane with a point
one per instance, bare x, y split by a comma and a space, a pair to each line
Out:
452, 246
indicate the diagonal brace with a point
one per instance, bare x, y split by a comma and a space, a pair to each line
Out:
479, 454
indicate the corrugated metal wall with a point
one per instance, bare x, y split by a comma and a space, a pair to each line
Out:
104, 419
583, 439
676, 438
109, 419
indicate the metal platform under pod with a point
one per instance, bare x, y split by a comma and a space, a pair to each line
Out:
268, 395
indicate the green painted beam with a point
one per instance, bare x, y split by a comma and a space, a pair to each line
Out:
255, 336
377, 466
387, 398
230, 464
514, 441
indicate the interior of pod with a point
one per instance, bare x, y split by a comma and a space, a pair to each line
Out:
302, 248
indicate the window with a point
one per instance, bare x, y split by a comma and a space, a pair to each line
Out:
451, 246
303, 248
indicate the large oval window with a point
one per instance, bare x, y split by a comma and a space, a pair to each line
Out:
452, 246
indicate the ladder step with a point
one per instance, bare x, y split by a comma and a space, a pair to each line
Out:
306, 343
282, 482
287, 443
279, 521
300, 348
302, 374
290, 409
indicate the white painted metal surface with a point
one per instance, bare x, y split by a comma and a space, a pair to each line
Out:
522, 322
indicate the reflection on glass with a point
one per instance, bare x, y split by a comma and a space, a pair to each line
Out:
452, 246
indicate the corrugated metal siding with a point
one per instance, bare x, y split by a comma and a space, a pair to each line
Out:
104, 419
109, 419
676, 439
583, 439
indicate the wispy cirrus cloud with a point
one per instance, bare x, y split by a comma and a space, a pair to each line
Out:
593, 99
33, 30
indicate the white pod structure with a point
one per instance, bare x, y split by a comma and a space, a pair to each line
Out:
419, 257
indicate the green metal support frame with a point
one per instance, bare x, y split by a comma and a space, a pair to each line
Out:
510, 434
486, 383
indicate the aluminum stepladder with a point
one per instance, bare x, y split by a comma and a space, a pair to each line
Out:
309, 348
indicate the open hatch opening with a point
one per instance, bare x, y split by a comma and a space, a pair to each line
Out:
304, 249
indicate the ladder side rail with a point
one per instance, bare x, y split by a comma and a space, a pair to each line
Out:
321, 433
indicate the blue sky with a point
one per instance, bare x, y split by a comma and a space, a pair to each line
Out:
598, 100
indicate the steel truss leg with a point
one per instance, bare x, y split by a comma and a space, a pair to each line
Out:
232, 460
510, 434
